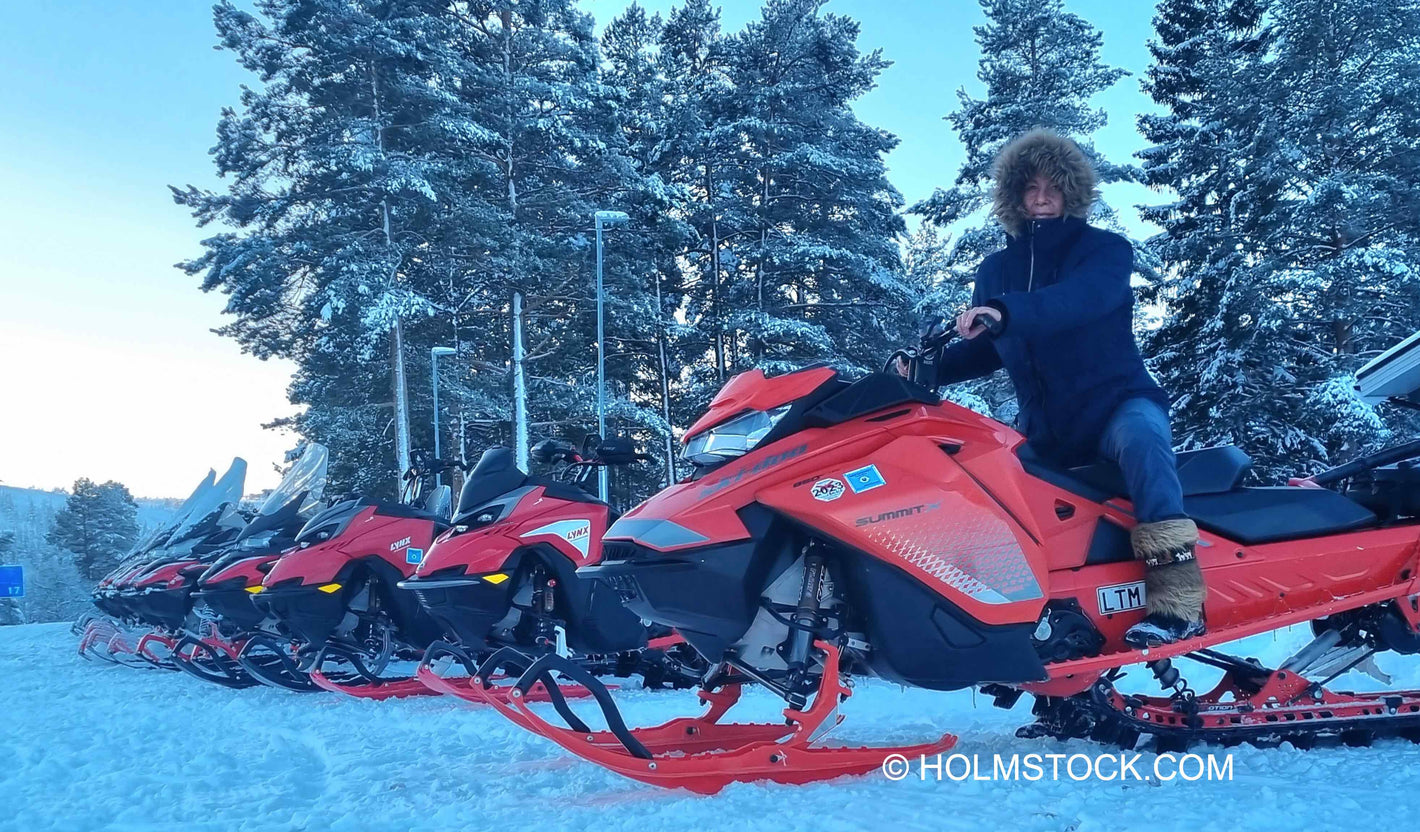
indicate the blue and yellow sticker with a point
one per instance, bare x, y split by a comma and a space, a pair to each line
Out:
864, 479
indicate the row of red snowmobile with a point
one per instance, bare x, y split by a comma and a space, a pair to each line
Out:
355, 595
836, 529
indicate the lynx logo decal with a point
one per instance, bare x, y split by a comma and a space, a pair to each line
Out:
759, 467
399, 544
576, 532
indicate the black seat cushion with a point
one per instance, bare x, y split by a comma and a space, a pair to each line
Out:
1204, 471
1212, 497
1267, 515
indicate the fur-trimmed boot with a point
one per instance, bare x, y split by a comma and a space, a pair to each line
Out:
1173, 583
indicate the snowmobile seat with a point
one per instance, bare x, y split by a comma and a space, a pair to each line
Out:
1204, 471
439, 504
1266, 515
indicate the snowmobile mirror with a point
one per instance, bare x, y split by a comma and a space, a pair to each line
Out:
616, 450
550, 451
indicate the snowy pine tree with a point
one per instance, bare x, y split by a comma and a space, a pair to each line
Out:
345, 165
814, 258
1290, 253
99, 524
1041, 67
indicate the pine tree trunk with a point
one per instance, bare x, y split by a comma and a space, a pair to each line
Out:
400, 391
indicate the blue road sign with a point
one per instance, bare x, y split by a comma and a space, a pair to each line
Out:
12, 582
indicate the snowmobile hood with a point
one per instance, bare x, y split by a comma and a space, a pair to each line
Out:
753, 390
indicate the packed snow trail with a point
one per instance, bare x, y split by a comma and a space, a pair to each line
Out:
91, 746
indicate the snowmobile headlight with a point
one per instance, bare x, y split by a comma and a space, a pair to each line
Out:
736, 437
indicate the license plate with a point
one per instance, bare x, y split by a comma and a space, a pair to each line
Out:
1120, 597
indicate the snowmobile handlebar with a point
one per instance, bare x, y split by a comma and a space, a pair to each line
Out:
922, 361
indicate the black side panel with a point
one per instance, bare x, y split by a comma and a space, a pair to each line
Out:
596, 620
416, 627
710, 595
873, 392
468, 613
1266, 515
1110, 544
920, 638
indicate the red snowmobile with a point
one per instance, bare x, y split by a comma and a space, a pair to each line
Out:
223, 617
340, 623
505, 576
836, 528
173, 596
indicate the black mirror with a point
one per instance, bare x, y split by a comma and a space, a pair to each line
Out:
616, 450
550, 451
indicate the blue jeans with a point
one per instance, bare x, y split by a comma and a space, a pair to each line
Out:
1139, 440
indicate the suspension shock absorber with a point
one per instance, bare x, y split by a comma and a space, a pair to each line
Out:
806, 619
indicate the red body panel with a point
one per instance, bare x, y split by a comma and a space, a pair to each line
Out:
956, 510
245, 569
369, 535
161, 575
574, 529
752, 391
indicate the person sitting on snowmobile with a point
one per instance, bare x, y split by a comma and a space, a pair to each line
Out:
1060, 290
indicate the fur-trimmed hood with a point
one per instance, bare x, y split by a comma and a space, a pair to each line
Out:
1041, 151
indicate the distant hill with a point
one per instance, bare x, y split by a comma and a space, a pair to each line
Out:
54, 589
32, 502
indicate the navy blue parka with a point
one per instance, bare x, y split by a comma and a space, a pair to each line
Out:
1068, 344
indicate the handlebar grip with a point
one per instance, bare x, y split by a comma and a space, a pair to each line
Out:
992, 326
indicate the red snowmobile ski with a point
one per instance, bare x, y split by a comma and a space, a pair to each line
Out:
505, 575
836, 528
341, 622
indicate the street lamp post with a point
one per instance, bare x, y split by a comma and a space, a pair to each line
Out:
434, 353
607, 219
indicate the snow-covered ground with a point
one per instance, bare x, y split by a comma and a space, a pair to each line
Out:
90, 746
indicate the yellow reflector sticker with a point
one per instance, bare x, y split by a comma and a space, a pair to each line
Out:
496, 578
329, 587
255, 589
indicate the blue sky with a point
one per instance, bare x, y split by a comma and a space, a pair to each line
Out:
107, 362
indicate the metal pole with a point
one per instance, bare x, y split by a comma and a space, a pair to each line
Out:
434, 371
609, 218
401, 403
520, 388
601, 364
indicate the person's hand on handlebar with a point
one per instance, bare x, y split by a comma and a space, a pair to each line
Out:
901, 367
965, 320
